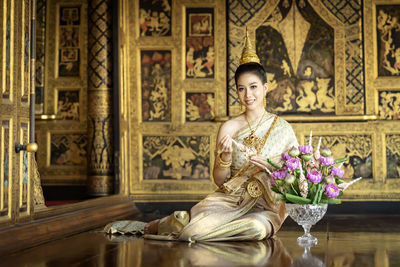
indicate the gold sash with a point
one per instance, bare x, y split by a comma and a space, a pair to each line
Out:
236, 181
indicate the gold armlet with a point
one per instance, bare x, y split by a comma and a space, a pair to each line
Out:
224, 164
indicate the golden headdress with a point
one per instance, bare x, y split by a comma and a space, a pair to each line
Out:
249, 53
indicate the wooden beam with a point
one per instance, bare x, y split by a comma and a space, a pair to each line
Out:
21, 236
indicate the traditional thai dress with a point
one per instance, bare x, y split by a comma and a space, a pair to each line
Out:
244, 207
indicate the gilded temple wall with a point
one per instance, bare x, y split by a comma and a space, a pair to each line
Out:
61, 91
332, 67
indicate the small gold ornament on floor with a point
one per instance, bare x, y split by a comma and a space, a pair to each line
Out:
252, 140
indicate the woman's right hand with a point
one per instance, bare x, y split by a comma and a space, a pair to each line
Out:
224, 147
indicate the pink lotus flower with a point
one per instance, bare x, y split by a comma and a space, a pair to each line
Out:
293, 163
305, 149
279, 174
286, 156
337, 172
327, 161
314, 176
331, 190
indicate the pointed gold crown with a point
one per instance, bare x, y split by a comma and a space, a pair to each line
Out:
249, 53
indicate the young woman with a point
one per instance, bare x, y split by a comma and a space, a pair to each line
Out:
243, 207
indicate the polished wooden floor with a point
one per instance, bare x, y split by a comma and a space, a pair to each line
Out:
342, 241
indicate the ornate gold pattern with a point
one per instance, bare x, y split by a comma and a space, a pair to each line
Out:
388, 52
347, 48
40, 55
389, 105
15, 68
200, 106
254, 188
38, 198
393, 155
357, 148
171, 180
100, 134
325, 100
176, 157
253, 141
100, 137
101, 185
72, 114
249, 53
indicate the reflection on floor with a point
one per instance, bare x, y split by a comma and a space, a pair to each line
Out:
343, 241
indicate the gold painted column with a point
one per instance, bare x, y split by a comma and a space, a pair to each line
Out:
100, 123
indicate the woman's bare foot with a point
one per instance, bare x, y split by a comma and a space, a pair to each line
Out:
151, 228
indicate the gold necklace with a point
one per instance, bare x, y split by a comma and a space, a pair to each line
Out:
252, 140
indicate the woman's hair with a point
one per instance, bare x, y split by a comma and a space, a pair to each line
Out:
251, 67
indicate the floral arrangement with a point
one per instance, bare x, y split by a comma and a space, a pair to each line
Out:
305, 176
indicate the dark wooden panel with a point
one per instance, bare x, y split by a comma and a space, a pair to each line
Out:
22, 236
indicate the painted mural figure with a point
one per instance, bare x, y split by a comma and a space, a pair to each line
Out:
200, 52
237, 211
388, 33
296, 47
155, 18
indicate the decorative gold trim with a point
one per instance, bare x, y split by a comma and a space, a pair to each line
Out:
294, 118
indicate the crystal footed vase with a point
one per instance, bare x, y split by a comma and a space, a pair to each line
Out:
306, 215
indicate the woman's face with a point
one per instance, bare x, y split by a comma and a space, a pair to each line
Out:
251, 91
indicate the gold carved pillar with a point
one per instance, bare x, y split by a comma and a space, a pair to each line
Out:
100, 130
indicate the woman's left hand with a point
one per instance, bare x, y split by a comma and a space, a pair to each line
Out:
259, 162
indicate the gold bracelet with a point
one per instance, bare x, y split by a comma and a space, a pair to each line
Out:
224, 164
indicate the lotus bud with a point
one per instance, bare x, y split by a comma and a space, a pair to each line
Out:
306, 157
317, 155
289, 179
294, 152
326, 152
330, 179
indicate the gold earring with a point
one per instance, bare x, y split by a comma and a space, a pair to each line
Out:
265, 102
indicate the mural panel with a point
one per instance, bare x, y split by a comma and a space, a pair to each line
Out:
24, 170
346, 84
155, 17
388, 39
176, 157
156, 85
296, 48
40, 55
68, 105
357, 148
200, 107
8, 52
68, 45
389, 105
200, 55
68, 149
392, 156
5, 172
26, 51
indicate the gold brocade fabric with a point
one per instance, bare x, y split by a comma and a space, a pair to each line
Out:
230, 213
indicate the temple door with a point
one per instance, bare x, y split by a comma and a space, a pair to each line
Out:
16, 186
